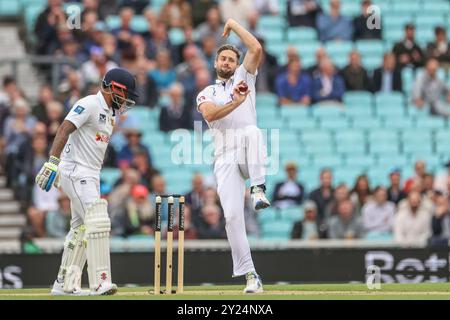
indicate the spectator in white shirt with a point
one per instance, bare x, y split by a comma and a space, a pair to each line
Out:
378, 214
412, 224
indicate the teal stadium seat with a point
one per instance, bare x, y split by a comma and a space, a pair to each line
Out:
302, 123
110, 175
436, 6
389, 160
334, 124
9, 8
327, 160
406, 7
398, 123
277, 229
292, 214
363, 160
266, 99
430, 123
365, 123
358, 98
140, 24
323, 111
296, 34
295, 112
176, 36
267, 22
113, 22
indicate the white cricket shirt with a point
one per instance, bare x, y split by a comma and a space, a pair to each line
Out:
220, 94
94, 121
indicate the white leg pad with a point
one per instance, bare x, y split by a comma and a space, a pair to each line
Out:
98, 227
73, 259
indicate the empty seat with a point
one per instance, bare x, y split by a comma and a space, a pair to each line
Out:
334, 123
327, 112
316, 136
331, 161
362, 98
398, 123
362, 160
430, 123
295, 112
389, 160
295, 34
365, 123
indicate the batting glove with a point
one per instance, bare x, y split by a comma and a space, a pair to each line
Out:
49, 175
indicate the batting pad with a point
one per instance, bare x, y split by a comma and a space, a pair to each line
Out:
98, 226
73, 259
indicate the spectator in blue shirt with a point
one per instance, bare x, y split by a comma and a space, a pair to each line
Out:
327, 85
124, 31
294, 86
164, 74
334, 26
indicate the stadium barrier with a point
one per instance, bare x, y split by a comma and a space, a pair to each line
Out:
278, 263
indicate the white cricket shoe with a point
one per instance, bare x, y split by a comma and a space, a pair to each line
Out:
254, 283
259, 198
105, 289
58, 290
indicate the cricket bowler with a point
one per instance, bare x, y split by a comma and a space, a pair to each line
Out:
75, 162
228, 106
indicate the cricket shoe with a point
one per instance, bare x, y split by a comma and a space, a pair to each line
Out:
105, 289
259, 198
58, 290
254, 283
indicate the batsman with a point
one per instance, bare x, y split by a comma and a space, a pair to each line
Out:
76, 158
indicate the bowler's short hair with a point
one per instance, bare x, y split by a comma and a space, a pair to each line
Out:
229, 47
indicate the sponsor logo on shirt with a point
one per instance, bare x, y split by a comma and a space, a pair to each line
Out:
201, 98
101, 137
102, 118
79, 109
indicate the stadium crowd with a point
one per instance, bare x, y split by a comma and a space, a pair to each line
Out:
169, 77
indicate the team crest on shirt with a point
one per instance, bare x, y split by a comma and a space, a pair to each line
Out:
79, 109
102, 118
101, 137
112, 121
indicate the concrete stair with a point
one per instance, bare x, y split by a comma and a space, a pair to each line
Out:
11, 220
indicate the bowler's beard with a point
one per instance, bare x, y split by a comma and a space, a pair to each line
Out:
224, 74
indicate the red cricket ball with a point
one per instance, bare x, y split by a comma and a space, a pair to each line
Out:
243, 88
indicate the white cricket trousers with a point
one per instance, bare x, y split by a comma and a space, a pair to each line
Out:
231, 170
82, 186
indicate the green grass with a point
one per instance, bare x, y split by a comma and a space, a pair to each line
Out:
272, 292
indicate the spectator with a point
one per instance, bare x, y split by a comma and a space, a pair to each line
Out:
96, 67
40, 109
442, 180
361, 193
294, 86
431, 91
55, 117
9, 93
334, 26
177, 114
361, 24
440, 223
123, 33
176, 14
440, 48
142, 164
133, 146
164, 74
32, 153
387, 78
354, 74
194, 198
200, 10
137, 5
70, 50
109, 45
321, 54
90, 33
145, 86
395, 192
323, 195
407, 51
42, 202
290, 192
186, 71
419, 174
208, 51
267, 71
340, 193
252, 24
137, 216
236, 10
18, 128
302, 13
291, 54
47, 24
70, 89
412, 224
345, 225
202, 80
328, 86
212, 226
190, 232
307, 229
157, 40
57, 222
212, 26
266, 7
378, 214
427, 185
